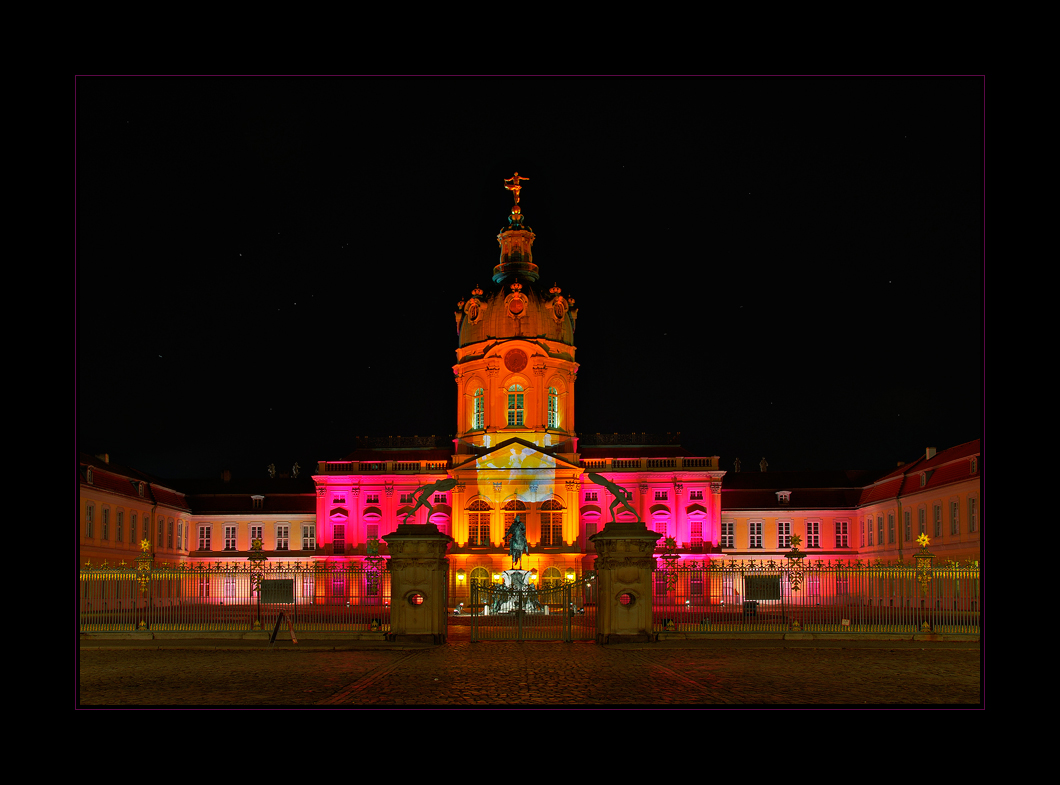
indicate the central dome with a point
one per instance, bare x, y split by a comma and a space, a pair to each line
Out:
517, 309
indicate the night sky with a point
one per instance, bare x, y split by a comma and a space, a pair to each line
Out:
268, 268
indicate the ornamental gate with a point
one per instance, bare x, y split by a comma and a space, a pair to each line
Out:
558, 612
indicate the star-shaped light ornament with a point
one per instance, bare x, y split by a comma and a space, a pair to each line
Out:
923, 540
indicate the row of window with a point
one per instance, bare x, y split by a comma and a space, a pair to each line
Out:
938, 526
168, 535
516, 412
283, 537
755, 537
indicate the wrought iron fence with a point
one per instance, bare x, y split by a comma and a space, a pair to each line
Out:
234, 597
565, 611
819, 596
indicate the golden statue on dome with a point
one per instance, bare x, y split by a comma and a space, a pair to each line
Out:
514, 188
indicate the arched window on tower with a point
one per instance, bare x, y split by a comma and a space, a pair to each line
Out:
478, 519
515, 404
553, 408
551, 523
478, 413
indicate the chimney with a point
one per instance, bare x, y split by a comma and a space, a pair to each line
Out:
226, 475
930, 453
105, 457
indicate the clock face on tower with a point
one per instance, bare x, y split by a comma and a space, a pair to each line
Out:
515, 360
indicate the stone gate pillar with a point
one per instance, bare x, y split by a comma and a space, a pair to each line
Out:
624, 567
418, 581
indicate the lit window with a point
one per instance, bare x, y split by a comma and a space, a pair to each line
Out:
515, 405
955, 518
118, 528
169, 534
132, 528
938, 520
890, 528
204, 585
371, 498
161, 532
696, 532
90, 514
661, 496
230, 538
283, 536
180, 533
728, 534
105, 518
813, 534
478, 523
553, 408
551, 523
870, 530
920, 521
695, 496
841, 534
784, 534
755, 532
879, 530
406, 498
439, 498
338, 538
907, 525
478, 416
204, 538
590, 496
972, 513
309, 537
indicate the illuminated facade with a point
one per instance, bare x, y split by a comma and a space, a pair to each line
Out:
516, 452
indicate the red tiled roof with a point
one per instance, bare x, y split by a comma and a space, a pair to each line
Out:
242, 503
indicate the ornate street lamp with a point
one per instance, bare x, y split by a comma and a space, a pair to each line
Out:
796, 568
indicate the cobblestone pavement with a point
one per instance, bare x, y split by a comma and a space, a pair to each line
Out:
533, 674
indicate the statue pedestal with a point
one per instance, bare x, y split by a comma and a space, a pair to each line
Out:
418, 577
624, 567
516, 594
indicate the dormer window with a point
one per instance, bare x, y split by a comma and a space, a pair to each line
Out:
88, 474
140, 490
973, 465
783, 497
257, 501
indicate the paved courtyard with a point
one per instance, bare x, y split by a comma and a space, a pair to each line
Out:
462, 674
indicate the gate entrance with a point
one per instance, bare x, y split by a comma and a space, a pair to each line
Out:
521, 611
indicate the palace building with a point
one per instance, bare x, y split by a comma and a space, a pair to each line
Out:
516, 451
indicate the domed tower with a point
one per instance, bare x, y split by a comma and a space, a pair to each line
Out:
515, 367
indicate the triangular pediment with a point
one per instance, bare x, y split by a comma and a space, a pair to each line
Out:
516, 453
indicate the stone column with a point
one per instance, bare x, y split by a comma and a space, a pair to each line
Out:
624, 566
418, 575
